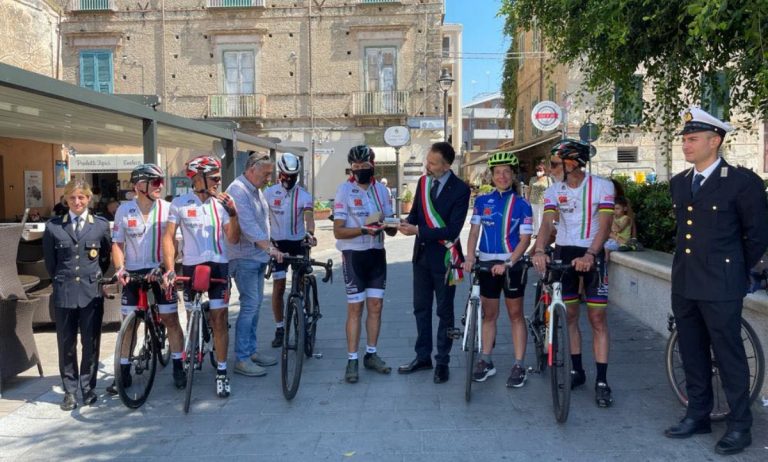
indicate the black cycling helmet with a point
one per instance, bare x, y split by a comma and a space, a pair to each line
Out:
360, 153
146, 172
572, 149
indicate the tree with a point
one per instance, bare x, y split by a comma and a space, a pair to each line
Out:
679, 47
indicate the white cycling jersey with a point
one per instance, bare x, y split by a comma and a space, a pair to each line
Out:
286, 211
579, 209
202, 228
141, 238
354, 205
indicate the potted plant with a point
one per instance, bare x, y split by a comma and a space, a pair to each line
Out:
406, 201
322, 210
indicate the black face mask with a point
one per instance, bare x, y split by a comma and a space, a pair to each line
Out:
289, 182
363, 176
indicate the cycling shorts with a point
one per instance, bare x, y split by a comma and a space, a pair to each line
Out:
510, 283
218, 292
595, 285
292, 248
365, 274
130, 296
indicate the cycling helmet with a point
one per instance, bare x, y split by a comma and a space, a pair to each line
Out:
360, 153
572, 149
503, 158
146, 172
203, 164
289, 164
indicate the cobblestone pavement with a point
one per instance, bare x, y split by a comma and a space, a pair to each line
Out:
381, 418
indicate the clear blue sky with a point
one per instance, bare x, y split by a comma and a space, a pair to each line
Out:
483, 33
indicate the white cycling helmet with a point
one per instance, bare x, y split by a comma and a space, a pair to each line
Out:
289, 164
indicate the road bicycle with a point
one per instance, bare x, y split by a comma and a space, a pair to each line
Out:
198, 336
142, 341
676, 374
302, 312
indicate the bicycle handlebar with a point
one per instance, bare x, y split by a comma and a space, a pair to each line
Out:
299, 260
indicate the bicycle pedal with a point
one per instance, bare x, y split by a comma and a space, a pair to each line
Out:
454, 333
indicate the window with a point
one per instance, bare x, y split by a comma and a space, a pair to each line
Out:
521, 48
381, 69
534, 131
520, 126
552, 93
446, 47
628, 103
239, 71
96, 70
536, 46
626, 155
715, 95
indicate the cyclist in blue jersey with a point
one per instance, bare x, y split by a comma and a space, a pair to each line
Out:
506, 221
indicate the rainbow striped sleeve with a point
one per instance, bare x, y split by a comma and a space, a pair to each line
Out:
549, 205
606, 198
605, 207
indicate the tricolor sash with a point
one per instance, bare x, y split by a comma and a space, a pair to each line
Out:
453, 260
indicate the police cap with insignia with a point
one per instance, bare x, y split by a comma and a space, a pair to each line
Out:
699, 120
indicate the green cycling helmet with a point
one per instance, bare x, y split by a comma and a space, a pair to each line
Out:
503, 158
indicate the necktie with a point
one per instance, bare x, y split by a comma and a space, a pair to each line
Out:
77, 226
434, 189
697, 179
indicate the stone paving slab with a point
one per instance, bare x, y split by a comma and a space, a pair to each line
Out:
381, 418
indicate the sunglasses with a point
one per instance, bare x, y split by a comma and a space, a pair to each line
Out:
157, 182
216, 179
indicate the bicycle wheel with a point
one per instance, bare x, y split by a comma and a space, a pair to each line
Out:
538, 328
208, 343
471, 346
191, 358
293, 348
561, 364
134, 343
165, 347
312, 314
720, 410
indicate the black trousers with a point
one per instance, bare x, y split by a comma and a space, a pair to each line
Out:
428, 286
702, 325
87, 321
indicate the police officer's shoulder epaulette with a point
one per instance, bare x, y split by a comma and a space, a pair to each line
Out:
744, 173
55, 219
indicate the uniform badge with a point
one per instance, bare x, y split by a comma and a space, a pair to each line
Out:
687, 117
723, 172
93, 254
191, 213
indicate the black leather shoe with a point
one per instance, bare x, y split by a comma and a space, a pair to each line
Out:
441, 373
89, 397
733, 442
687, 428
415, 365
112, 388
69, 402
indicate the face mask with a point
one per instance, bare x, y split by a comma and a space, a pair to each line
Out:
289, 182
363, 176
539, 173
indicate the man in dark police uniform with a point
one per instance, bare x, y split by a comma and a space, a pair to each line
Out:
722, 231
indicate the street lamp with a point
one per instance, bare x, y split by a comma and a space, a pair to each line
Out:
445, 81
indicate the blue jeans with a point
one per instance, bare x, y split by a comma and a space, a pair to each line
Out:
249, 278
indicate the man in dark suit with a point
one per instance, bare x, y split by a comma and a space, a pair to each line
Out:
722, 231
77, 249
436, 219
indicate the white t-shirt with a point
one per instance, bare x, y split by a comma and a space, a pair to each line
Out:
202, 228
286, 212
142, 240
579, 209
354, 205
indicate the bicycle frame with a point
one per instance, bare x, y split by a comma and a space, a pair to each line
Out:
556, 300
474, 295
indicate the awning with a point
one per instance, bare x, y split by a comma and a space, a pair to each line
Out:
515, 149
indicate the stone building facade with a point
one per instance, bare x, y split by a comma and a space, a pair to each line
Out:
325, 74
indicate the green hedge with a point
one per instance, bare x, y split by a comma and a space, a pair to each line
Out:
652, 206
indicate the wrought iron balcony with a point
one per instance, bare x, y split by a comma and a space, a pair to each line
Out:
235, 106
92, 5
370, 103
234, 3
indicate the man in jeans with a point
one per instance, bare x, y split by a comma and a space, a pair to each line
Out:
248, 260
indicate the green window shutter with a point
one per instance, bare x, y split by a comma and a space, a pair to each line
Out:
96, 71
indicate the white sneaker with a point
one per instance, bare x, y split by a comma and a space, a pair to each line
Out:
263, 359
249, 369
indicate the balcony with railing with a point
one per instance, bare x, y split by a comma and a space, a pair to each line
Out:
92, 6
234, 3
378, 103
235, 106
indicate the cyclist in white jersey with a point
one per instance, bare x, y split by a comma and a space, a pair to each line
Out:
359, 209
205, 217
291, 220
137, 248
585, 206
